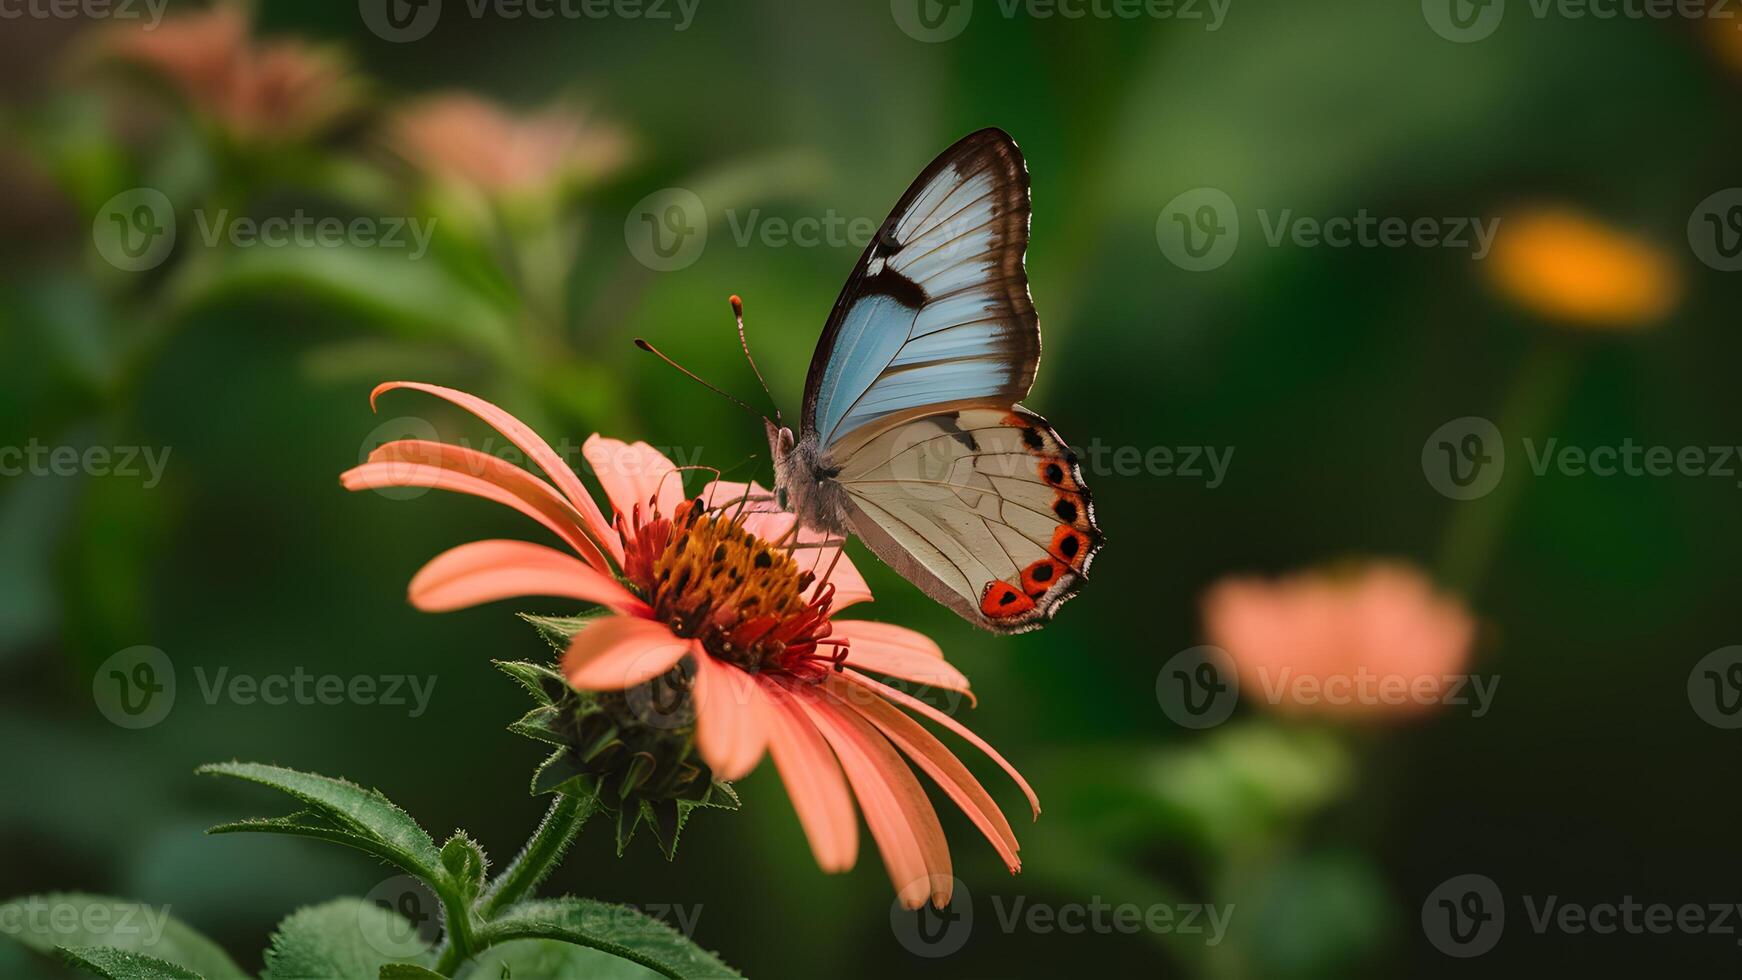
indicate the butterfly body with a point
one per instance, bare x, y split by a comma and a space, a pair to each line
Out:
912, 437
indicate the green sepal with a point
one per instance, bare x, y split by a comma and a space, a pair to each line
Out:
544, 723
543, 683
559, 630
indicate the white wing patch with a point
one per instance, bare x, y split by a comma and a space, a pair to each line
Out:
989, 504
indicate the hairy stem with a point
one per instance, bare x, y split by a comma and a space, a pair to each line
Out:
540, 855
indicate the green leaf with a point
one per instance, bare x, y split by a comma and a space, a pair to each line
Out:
540, 681
78, 921
615, 929
668, 817
118, 964
535, 959
465, 864
378, 826
406, 971
304, 823
346, 937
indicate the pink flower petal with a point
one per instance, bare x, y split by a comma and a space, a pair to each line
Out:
915, 704
938, 762
622, 651
485, 571
530, 443
731, 717
634, 473
417, 463
901, 818
813, 782
898, 652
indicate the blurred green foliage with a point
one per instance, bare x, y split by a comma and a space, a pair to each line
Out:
1324, 369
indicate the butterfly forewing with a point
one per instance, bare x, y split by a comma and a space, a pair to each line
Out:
938, 308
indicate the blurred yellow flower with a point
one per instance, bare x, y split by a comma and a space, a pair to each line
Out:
1725, 35
1577, 271
462, 138
284, 89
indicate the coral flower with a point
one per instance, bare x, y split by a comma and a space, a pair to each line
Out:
462, 138
726, 595
280, 89
1371, 639
1577, 271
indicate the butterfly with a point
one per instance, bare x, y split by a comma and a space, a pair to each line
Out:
911, 435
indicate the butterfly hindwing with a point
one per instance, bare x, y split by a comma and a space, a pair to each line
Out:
983, 508
937, 310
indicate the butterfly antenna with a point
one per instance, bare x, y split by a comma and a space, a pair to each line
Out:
738, 314
734, 399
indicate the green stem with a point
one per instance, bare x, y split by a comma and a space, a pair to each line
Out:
459, 945
1535, 398
539, 857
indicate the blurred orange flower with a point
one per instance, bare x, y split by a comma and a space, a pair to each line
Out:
1725, 35
1372, 639
462, 138
284, 89
1575, 270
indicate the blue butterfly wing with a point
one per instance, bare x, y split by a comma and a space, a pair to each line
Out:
937, 312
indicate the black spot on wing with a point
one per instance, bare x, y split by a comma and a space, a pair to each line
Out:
888, 282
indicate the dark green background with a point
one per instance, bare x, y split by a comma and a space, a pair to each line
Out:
1591, 778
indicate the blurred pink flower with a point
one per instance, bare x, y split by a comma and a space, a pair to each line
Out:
1372, 639
462, 138
284, 89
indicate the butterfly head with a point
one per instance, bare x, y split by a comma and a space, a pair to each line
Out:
781, 442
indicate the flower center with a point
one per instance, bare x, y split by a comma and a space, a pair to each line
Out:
708, 577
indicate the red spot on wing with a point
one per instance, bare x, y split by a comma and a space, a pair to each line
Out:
1001, 600
1070, 545
1041, 576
